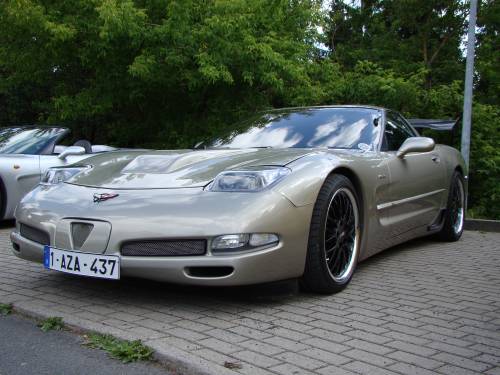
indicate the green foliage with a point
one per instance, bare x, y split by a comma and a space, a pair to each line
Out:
168, 73
488, 60
5, 309
484, 182
403, 35
180, 69
54, 323
126, 351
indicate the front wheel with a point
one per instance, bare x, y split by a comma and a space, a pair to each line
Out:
334, 237
455, 211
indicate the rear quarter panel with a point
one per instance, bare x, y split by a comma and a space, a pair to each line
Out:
453, 160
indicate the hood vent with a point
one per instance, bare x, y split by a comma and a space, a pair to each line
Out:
79, 233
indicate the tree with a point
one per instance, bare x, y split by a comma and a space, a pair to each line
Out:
488, 57
402, 35
152, 72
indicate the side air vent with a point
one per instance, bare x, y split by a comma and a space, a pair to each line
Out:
168, 248
34, 234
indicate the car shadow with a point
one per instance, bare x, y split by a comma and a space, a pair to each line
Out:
280, 292
409, 246
273, 292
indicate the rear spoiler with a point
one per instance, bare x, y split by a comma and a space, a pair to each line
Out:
444, 125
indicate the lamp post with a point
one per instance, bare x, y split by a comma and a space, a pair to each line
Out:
469, 75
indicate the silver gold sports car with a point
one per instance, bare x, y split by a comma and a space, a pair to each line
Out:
296, 193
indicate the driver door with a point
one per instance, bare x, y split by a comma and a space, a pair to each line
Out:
417, 182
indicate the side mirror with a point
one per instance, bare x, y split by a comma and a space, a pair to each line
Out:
71, 150
415, 144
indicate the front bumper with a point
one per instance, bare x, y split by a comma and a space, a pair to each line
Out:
186, 214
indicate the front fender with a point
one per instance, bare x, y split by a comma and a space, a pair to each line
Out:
368, 172
309, 173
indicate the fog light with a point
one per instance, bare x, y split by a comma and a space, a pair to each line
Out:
242, 242
261, 239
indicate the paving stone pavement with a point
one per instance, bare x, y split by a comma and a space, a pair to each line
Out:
421, 308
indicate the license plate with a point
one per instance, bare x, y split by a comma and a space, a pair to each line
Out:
84, 264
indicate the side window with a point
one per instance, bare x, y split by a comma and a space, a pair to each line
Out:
395, 133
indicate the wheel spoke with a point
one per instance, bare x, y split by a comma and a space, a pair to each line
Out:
332, 249
331, 238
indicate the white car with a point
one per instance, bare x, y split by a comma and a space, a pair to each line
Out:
26, 152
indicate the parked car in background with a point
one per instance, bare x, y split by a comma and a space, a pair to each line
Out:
294, 193
26, 152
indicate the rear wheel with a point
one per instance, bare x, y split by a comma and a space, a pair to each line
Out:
334, 237
455, 211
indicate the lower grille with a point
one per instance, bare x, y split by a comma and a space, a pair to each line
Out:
169, 248
34, 234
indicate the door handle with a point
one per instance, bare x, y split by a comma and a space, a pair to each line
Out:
436, 159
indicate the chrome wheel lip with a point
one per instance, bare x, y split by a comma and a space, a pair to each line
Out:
346, 274
458, 222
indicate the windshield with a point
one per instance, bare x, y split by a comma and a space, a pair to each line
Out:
31, 141
351, 128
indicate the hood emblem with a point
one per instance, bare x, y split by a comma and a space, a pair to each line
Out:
104, 197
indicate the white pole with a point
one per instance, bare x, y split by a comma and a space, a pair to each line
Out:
469, 73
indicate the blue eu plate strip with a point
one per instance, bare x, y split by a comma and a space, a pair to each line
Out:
46, 256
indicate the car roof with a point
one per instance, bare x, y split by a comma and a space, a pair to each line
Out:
361, 106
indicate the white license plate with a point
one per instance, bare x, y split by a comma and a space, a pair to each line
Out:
84, 264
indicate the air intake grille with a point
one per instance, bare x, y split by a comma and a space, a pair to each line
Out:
80, 232
34, 234
162, 248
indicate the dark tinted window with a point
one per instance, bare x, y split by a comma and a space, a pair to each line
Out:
352, 128
396, 132
30, 141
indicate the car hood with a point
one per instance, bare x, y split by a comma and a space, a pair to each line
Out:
174, 169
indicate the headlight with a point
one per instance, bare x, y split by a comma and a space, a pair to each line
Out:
55, 176
248, 180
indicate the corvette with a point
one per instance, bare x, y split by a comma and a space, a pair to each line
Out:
26, 152
294, 193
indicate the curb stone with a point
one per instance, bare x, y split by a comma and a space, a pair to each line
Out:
182, 362
482, 225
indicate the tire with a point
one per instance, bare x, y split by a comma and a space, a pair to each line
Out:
334, 237
453, 225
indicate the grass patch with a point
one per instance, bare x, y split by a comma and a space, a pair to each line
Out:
125, 351
5, 309
54, 323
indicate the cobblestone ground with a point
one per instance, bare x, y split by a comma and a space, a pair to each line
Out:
420, 308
